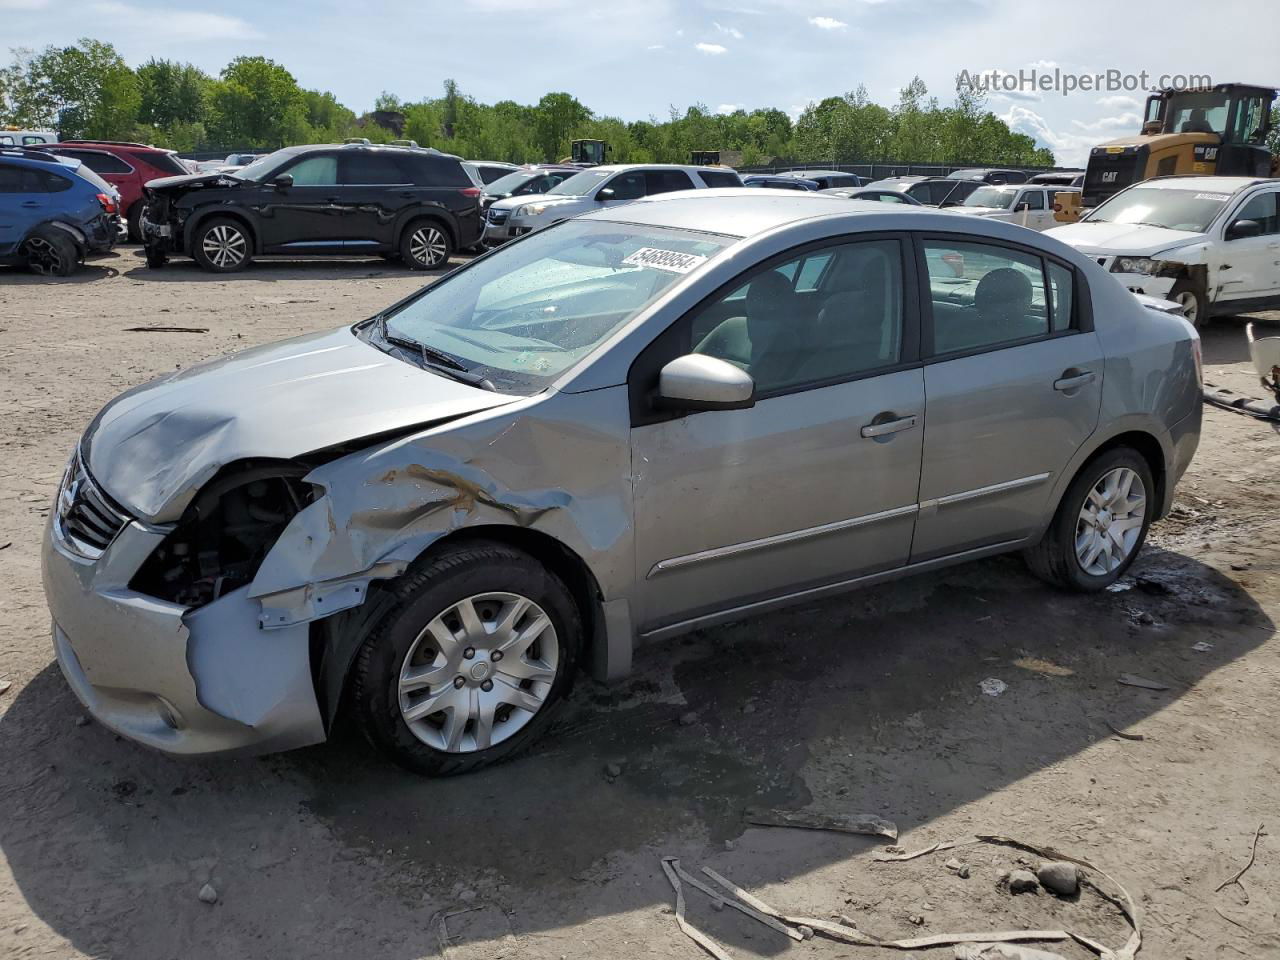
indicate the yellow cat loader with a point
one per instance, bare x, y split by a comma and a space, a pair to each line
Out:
1218, 130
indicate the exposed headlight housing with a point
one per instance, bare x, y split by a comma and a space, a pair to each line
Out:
531, 210
1142, 265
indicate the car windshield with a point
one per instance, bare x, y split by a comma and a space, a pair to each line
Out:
1188, 210
580, 184
1000, 198
260, 167
511, 182
527, 313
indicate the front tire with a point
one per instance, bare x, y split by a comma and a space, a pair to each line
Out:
425, 245
1191, 301
222, 245
470, 661
1100, 526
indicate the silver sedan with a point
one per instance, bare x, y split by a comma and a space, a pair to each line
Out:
625, 426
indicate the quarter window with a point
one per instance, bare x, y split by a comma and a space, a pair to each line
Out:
1061, 291
314, 172
666, 181
788, 331
984, 296
366, 168
719, 178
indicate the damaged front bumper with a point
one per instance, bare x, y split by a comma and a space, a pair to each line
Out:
181, 680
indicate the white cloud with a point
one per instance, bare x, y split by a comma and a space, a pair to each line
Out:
1069, 148
1025, 96
1118, 102
656, 46
827, 23
714, 49
1124, 121
730, 31
725, 109
175, 24
23, 4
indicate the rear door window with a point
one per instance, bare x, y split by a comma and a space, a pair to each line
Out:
984, 296
666, 181
364, 169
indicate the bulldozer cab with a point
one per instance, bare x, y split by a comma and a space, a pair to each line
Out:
588, 152
705, 158
1218, 130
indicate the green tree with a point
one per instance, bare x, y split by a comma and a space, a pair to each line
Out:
557, 117
85, 90
171, 93
257, 103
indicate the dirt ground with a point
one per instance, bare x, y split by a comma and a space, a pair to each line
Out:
868, 703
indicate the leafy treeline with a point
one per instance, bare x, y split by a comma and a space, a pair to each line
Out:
88, 91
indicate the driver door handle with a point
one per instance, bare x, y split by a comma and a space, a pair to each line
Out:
873, 430
1063, 384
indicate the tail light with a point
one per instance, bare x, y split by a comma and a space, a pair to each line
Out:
470, 191
108, 203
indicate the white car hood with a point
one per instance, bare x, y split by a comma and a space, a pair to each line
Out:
1127, 239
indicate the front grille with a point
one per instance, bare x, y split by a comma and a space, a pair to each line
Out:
498, 216
86, 517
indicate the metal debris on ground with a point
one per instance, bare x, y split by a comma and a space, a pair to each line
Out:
993, 687
1120, 586
1202, 646
692, 932
1236, 879
166, 329
748, 909
1133, 680
865, 824
982, 946
1121, 734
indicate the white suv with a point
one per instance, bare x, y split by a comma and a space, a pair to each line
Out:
1212, 244
595, 188
1028, 205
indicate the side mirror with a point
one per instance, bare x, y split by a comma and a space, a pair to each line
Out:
605, 194
1242, 229
700, 382
283, 182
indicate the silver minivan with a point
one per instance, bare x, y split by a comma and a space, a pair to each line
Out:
625, 426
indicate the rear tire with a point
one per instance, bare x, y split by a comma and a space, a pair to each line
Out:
222, 245
425, 245
134, 223
1093, 525
1192, 301
438, 644
50, 252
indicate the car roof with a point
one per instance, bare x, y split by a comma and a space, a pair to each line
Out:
686, 167
740, 211
1213, 184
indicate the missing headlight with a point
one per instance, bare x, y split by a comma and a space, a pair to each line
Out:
225, 533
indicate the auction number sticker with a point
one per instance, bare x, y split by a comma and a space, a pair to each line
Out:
672, 261
1220, 197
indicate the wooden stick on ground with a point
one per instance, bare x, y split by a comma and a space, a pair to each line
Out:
697, 936
1253, 855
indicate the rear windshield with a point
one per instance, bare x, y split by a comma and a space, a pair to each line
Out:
84, 173
164, 162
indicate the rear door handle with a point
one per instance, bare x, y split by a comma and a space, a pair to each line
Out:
1064, 384
873, 430
30, 203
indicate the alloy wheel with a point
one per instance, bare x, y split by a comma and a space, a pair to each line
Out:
225, 246
43, 257
1188, 305
478, 672
1110, 521
428, 246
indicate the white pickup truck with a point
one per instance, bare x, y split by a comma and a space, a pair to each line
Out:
1212, 244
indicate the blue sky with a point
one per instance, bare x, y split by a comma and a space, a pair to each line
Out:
635, 59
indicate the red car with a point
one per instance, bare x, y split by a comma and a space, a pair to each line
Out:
127, 167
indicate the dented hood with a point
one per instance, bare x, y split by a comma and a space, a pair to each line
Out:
153, 447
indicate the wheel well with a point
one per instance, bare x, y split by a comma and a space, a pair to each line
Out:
1150, 450
216, 214
439, 221
559, 559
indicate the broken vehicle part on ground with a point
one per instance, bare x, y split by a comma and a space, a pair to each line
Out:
562, 449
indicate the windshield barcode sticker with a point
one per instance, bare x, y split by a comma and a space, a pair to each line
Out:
1220, 197
672, 261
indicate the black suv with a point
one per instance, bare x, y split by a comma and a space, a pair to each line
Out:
350, 199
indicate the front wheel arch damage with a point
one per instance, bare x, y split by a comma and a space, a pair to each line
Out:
336, 640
